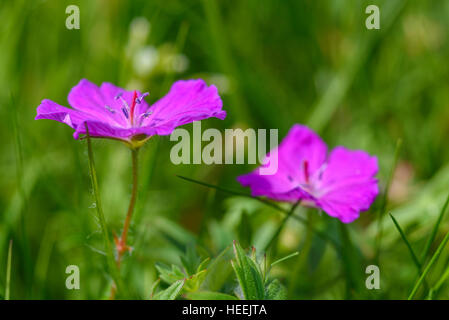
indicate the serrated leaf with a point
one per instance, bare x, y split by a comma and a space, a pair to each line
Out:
209, 295
248, 275
168, 275
171, 293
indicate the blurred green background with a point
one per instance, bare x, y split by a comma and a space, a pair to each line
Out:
275, 63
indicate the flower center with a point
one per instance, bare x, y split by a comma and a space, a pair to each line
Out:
129, 111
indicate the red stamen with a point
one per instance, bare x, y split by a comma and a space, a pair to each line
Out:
133, 105
306, 171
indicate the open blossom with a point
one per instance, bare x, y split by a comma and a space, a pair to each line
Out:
112, 112
342, 183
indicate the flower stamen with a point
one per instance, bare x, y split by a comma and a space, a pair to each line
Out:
125, 112
109, 109
143, 116
139, 99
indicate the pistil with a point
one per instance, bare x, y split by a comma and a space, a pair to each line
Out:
306, 171
133, 106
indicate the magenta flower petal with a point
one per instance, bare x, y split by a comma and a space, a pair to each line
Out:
53, 111
187, 101
112, 112
104, 102
301, 153
342, 186
348, 184
102, 130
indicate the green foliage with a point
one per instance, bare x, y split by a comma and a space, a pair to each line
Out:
276, 64
172, 292
252, 276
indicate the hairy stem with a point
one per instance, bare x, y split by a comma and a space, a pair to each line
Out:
120, 243
108, 247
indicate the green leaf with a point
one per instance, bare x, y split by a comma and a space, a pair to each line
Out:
190, 260
203, 265
169, 275
172, 292
275, 291
218, 271
194, 282
209, 295
248, 275
154, 287
174, 274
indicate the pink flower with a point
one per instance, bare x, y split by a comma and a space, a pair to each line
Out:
112, 112
342, 183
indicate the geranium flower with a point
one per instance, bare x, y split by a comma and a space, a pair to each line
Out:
112, 112
342, 183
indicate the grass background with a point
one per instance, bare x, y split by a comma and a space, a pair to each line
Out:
276, 63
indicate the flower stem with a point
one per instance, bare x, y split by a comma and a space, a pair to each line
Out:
121, 243
108, 247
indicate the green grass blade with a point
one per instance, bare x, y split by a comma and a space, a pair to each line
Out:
294, 254
407, 243
107, 241
8, 272
434, 231
432, 261
434, 290
384, 204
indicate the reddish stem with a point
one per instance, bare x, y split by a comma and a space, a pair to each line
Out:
120, 243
